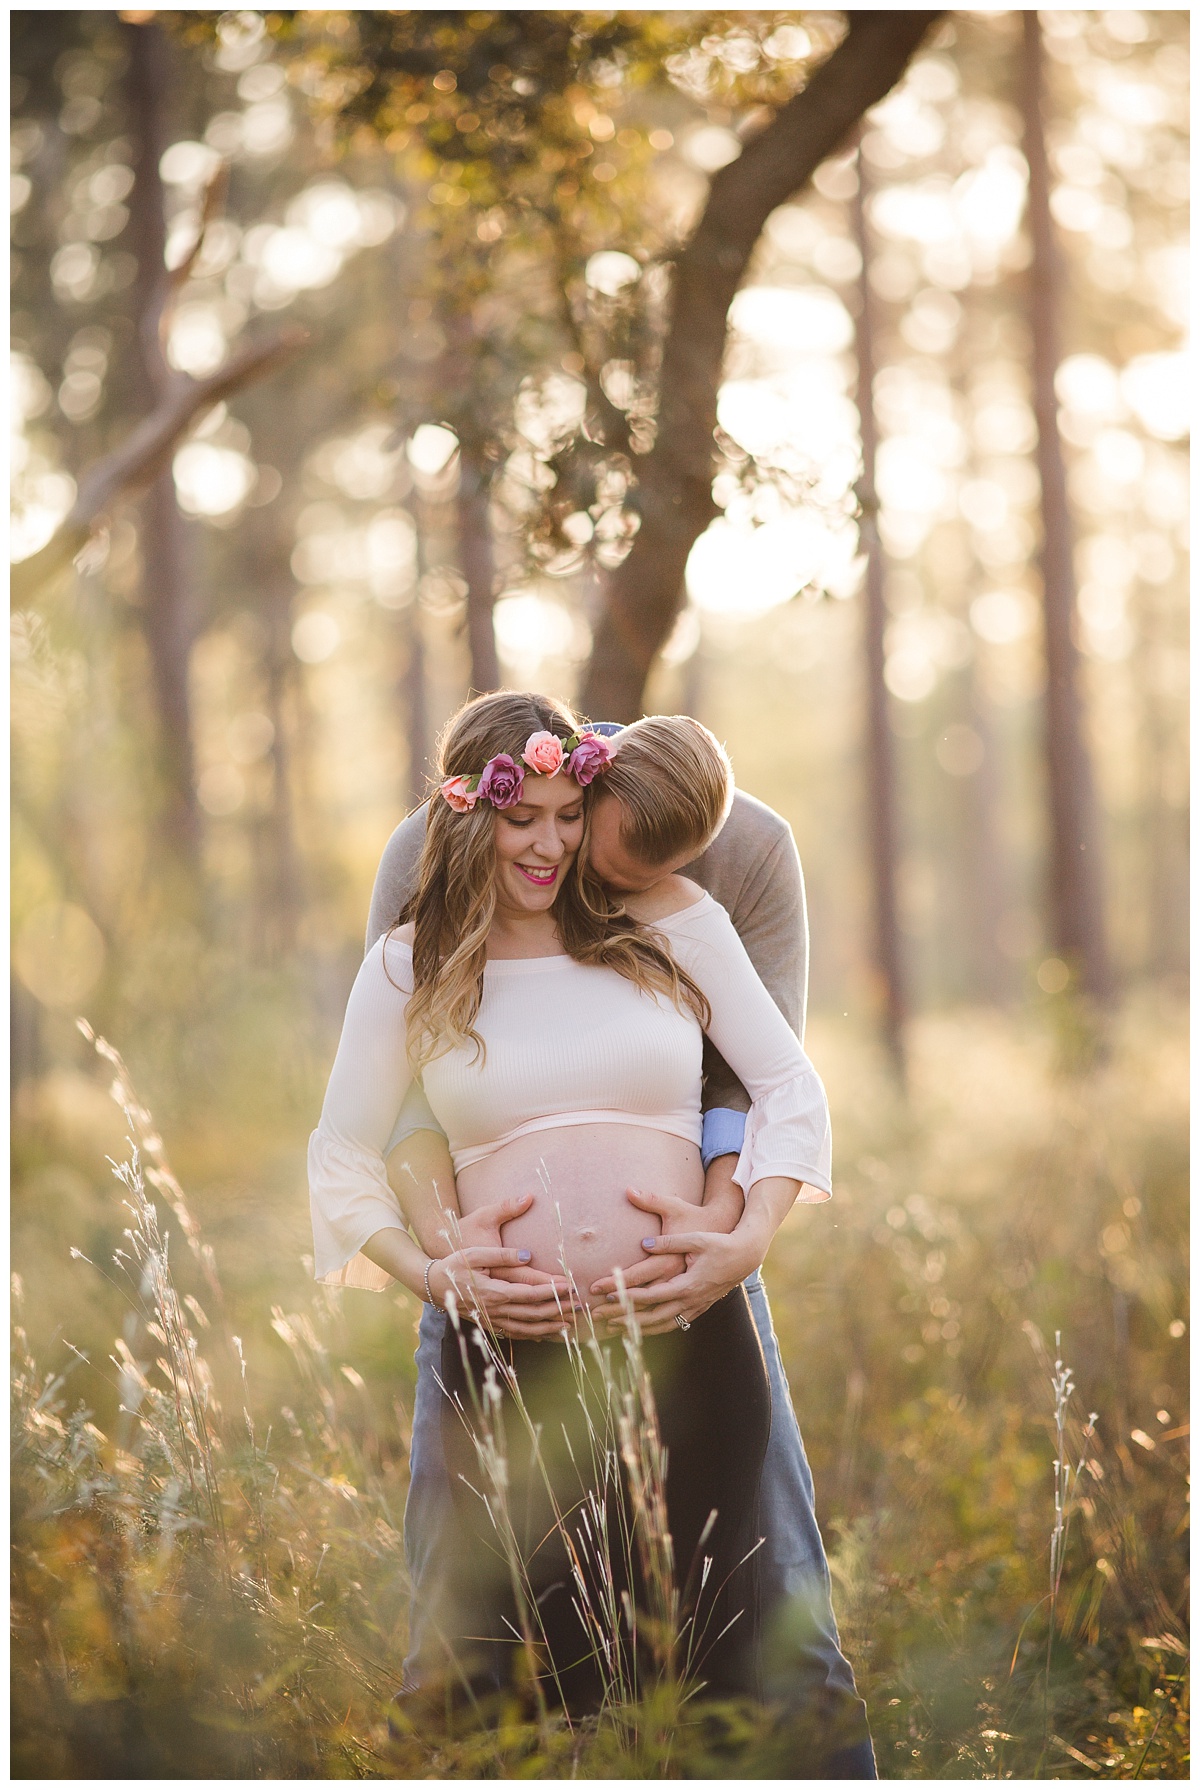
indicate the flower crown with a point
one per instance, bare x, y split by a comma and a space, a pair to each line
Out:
502, 779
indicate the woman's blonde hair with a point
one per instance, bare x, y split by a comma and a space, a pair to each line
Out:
455, 900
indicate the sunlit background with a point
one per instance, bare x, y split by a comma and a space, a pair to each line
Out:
766, 650
303, 607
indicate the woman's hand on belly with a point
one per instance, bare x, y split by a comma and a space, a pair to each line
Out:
518, 1300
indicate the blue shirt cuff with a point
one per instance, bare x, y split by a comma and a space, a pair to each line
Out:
723, 1134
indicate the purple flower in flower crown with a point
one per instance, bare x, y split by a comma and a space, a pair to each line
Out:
592, 754
502, 782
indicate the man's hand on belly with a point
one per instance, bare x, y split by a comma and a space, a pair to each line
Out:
722, 1209
661, 1265
719, 1256
696, 1279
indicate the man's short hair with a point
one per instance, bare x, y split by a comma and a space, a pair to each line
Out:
674, 782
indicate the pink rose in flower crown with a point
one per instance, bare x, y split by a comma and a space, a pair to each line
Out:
592, 754
543, 753
461, 797
502, 782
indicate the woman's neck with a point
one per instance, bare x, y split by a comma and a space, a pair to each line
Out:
516, 934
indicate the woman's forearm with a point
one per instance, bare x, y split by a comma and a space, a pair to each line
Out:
767, 1205
394, 1251
421, 1175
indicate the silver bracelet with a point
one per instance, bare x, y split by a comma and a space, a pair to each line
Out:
429, 1298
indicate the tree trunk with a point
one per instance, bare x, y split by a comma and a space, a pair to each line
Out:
168, 624
478, 565
413, 693
24, 1035
416, 708
675, 478
988, 882
166, 606
282, 883
1076, 884
881, 757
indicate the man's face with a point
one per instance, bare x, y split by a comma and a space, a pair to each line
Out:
611, 859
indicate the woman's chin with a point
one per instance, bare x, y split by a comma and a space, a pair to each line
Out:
527, 896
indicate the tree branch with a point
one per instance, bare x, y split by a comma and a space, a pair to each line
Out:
675, 478
142, 454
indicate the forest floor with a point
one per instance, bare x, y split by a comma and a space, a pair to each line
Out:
217, 1586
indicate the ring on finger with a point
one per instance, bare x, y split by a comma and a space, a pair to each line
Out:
682, 1322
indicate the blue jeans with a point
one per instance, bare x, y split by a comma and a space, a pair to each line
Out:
805, 1668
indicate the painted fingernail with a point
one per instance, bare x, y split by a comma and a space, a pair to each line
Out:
648, 1242
524, 1255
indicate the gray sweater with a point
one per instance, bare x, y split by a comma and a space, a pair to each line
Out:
752, 868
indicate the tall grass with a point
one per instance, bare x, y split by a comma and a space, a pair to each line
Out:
1017, 1184
181, 1494
208, 1570
648, 1648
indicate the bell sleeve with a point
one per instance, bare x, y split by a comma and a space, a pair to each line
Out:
787, 1128
349, 1195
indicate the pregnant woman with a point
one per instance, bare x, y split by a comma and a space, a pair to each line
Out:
559, 1038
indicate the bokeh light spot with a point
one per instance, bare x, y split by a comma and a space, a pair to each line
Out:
59, 954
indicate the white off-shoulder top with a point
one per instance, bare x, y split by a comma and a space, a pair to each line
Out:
567, 1044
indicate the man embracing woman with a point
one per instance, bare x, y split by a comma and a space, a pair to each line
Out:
570, 1097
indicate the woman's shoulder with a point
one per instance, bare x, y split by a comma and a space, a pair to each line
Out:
664, 900
391, 952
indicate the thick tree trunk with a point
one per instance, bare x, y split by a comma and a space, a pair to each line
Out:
166, 604
1076, 883
881, 756
675, 478
477, 561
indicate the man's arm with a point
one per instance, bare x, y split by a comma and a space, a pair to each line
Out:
396, 878
771, 918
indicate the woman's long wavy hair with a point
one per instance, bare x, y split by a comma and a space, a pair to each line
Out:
455, 900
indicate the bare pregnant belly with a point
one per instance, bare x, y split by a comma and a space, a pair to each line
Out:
580, 1220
